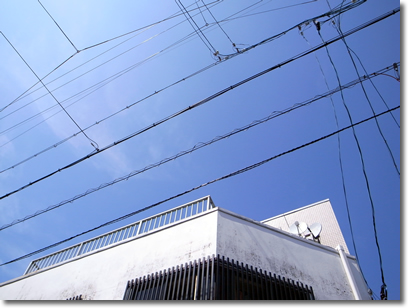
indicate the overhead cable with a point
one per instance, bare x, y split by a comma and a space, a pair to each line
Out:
268, 40
95, 45
197, 29
198, 146
72, 119
111, 78
369, 101
58, 26
361, 160
204, 101
209, 11
240, 171
80, 65
340, 158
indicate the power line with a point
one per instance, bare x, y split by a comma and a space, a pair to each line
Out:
198, 146
268, 40
58, 25
340, 160
92, 142
128, 69
240, 171
206, 100
218, 24
203, 38
369, 103
113, 77
361, 159
384, 285
268, 11
141, 29
95, 45
330, 13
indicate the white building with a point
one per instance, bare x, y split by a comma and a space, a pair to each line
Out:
199, 251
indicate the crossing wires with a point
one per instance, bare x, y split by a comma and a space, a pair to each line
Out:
93, 143
202, 102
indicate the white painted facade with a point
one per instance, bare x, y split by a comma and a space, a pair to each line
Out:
103, 274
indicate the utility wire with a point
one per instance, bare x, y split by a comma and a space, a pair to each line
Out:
198, 146
113, 77
268, 40
240, 171
202, 15
26, 93
206, 100
143, 29
95, 45
384, 285
58, 25
340, 159
203, 38
92, 142
330, 14
396, 65
361, 159
218, 24
267, 11
128, 69
369, 103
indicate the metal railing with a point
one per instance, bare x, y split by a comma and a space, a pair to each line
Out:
133, 230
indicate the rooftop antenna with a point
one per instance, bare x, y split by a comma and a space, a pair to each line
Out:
303, 230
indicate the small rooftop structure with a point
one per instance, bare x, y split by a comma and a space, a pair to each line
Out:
317, 213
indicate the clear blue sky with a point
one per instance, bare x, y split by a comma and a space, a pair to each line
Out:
99, 81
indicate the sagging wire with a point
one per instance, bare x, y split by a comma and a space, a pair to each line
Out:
367, 98
361, 159
339, 155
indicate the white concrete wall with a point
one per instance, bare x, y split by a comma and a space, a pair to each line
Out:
287, 255
103, 275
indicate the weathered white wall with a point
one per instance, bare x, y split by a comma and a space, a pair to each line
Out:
103, 275
287, 255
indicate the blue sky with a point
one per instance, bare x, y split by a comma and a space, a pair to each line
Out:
108, 71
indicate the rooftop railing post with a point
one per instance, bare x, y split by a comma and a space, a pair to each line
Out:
79, 250
140, 227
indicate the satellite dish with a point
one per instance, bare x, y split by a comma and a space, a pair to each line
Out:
298, 228
294, 228
302, 227
316, 228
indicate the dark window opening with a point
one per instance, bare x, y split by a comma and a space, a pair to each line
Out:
215, 278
